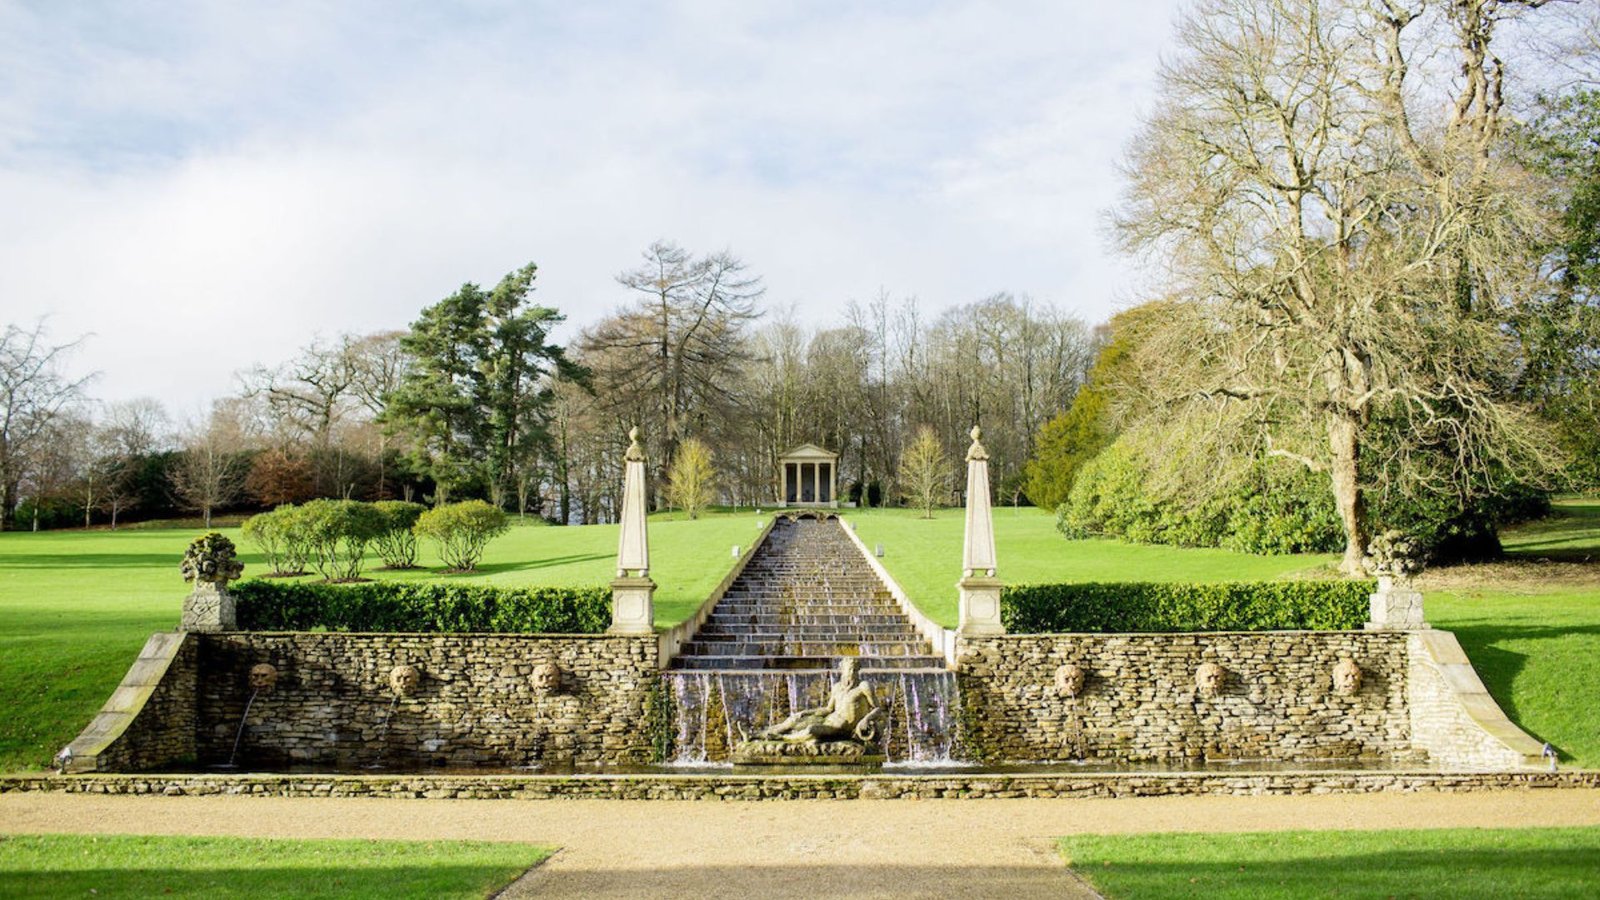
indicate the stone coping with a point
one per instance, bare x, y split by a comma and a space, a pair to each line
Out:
722, 786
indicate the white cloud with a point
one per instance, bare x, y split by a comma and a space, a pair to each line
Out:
205, 192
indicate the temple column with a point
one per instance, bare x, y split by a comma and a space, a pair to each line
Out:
980, 589
632, 591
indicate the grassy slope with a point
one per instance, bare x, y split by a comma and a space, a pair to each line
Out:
75, 607
924, 556
137, 866
1460, 863
1532, 629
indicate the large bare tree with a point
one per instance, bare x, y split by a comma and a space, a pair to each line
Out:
34, 392
1347, 236
680, 345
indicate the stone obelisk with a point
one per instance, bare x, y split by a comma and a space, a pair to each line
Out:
980, 589
632, 591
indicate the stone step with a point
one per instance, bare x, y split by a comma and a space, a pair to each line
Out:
793, 663
808, 649
807, 633
820, 619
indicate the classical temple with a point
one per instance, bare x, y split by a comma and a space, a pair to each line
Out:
808, 476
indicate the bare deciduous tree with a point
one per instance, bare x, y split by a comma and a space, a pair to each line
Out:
1346, 247
924, 472
33, 393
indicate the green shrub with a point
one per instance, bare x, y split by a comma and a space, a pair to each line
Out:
462, 531
338, 532
1276, 507
421, 607
1148, 606
278, 538
397, 543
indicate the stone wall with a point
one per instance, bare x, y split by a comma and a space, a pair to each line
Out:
476, 705
149, 720
1139, 702
1454, 720
803, 787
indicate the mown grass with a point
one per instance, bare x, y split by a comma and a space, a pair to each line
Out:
1531, 626
1457, 863
109, 866
76, 606
924, 556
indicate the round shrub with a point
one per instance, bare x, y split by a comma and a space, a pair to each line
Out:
338, 532
462, 531
275, 534
396, 544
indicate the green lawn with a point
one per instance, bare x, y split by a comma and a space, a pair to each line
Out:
137, 866
1457, 863
924, 556
76, 606
1532, 627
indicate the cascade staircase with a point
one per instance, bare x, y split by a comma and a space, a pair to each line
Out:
806, 600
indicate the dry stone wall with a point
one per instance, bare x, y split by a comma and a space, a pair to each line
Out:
1140, 701
478, 701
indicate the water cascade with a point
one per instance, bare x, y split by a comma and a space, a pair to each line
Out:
772, 645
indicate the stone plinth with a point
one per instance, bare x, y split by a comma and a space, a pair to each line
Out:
1395, 607
980, 606
818, 756
209, 607
632, 606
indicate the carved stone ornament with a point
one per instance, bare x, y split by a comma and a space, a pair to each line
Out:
211, 559
1208, 679
263, 677
1347, 678
405, 680
1069, 680
546, 678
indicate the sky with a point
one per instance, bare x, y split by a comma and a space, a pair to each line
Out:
201, 187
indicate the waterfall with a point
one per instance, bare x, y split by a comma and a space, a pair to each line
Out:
713, 711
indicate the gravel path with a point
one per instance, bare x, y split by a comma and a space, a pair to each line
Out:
847, 848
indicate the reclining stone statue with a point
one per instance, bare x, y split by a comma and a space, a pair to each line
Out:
851, 713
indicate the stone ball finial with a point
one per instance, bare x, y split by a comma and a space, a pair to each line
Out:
211, 559
405, 680
263, 677
1347, 678
546, 678
635, 452
977, 433
1208, 679
1396, 556
1069, 680
976, 451
633, 434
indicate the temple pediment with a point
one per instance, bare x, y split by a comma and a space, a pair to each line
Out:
809, 452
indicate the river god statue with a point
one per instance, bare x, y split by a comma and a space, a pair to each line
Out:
842, 732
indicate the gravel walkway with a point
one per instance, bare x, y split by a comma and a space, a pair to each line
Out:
851, 848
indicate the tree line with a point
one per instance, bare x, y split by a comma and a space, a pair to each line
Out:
1375, 254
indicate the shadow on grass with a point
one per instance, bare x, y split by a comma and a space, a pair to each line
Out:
1472, 872
552, 562
1499, 667
389, 882
92, 560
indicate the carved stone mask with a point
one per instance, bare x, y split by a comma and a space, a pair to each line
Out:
263, 676
1346, 678
546, 678
1069, 680
404, 680
1208, 679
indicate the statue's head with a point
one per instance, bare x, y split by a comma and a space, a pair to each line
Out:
850, 671
263, 676
1069, 680
405, 680
1208, 679
1347, 678
546, 678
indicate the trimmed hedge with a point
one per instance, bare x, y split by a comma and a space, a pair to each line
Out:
421, 607
1150, 606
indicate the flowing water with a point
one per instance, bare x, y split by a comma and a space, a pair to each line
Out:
239, 734
773, 643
